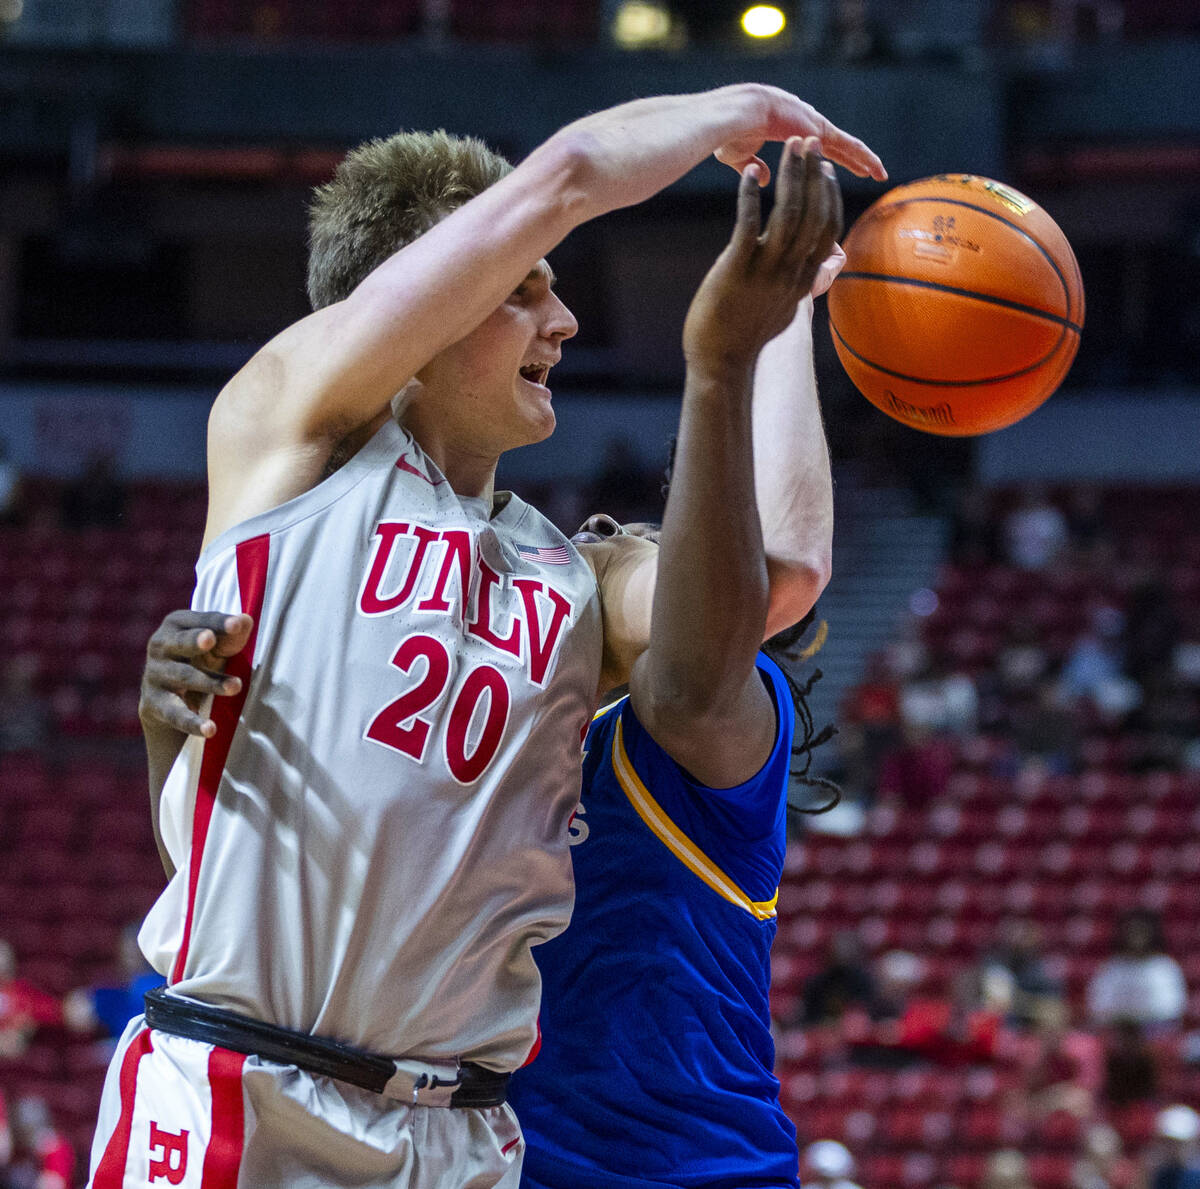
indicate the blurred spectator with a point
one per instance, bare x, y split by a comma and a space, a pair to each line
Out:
1095, 657
939, 699
1130, 1065
96, 499
1035, 531
1062, 1067
957, 1024
41, 1157
1022, 661
1165, 724
1045, 731
1185, 661
1006, 1169
1152, 629
110, 1008
897, 974
26, 723
869, 726
844, 981
918, 771
857, 35
624, 489
1018, 952
1173, 1165
1140, 981
875, 701
1102, 1164
1086, 527
826, 1164
974, 535
23, 1007
12, 489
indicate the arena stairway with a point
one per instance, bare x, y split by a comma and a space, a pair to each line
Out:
883, 551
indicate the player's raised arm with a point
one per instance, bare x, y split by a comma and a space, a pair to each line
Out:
331, 374
792, 479
696, 687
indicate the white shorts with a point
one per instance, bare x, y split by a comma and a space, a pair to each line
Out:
180, 1112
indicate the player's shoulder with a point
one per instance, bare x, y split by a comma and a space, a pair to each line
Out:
274, 509
634, 730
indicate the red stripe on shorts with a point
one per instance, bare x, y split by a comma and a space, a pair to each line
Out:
252, 558
223, 1157
110, 1172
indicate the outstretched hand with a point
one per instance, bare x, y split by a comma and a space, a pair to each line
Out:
786, 116
184, 662
750, 294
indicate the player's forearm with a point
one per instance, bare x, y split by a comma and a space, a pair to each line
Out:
163, 744
793, 484
627, 154
710, 601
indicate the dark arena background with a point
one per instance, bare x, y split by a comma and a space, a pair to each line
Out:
987, 971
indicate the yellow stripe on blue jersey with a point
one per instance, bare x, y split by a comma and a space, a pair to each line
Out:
674, 839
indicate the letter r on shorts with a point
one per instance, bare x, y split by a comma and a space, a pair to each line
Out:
172, 1164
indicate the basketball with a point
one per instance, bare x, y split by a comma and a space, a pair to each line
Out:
960, 306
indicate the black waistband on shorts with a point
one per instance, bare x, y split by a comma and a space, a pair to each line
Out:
434, 1082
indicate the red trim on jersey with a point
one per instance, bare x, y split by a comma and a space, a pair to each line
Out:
223, 1156
252, 558
537, 1044
110, 1172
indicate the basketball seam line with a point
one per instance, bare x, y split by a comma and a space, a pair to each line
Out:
948, 383
1008, 303
983, 210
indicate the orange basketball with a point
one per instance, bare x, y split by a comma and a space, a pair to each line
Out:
960, 306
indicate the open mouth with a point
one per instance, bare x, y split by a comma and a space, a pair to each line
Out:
536, 373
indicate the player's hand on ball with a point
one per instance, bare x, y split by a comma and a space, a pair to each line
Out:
184, 662
750, 294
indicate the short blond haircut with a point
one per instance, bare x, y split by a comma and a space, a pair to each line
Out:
385, 194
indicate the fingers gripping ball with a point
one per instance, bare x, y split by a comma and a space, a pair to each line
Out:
960, 306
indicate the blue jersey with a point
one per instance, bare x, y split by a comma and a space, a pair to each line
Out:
657, 1059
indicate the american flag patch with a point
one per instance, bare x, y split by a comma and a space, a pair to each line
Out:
546, 555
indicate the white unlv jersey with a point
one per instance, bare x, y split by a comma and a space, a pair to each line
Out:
378, 832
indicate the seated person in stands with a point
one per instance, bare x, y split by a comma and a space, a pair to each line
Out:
1174, 1163
1061, 1067
41, 1158
1130, 1066
23, 1007
844, 981
1017, 952
108, 1009
1141, 981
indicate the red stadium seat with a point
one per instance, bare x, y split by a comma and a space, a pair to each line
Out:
1049, 1171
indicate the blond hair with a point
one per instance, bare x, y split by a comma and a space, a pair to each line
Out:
385, 194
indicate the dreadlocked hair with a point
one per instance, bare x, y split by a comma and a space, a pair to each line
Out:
783, 648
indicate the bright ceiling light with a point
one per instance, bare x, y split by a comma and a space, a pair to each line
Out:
640, 23
763, 20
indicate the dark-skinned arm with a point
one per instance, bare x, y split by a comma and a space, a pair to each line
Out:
696, 687
184, 659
